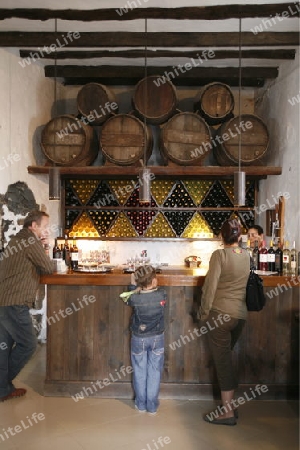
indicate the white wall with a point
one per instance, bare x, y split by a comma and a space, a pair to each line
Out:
283, 123
26, 105
26, 99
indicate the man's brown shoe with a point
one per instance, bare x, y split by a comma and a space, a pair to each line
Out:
18, 392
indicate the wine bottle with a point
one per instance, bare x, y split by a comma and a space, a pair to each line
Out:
278, 259
74, 256
271, 258
66, 252
263, 257
249, 249
286, 259
293, 265
255, 256
56, 252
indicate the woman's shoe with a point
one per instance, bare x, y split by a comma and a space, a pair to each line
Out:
235, 412
230, 421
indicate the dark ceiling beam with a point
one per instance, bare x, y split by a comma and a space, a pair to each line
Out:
219, 54
192, 82
218, 12
129, 39
178, 76
130, 81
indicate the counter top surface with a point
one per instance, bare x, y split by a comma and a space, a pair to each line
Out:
170, 276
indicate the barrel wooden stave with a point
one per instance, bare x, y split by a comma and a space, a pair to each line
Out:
95, 99
124, 140
155, 103
182, 135
254, 141
66, 141
216, 103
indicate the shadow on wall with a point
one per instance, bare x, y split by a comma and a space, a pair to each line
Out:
19, 201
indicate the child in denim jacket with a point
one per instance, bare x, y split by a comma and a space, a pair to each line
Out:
147, 341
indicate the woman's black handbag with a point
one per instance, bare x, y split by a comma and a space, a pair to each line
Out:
255, 298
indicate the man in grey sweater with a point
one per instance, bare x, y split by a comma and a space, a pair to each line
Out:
21, 264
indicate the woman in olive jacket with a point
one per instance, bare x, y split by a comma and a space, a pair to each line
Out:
223, 306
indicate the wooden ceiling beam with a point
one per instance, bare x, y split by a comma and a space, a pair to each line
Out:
219, 54
132, 12
129, 39
196, 72
130, 75
254, 82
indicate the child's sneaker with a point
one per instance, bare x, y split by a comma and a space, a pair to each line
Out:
152, 413
140, 410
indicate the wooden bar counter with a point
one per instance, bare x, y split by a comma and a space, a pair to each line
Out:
88, 338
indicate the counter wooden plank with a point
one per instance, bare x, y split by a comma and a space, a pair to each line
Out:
169, 277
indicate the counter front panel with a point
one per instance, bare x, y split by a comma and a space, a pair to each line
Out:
88, 338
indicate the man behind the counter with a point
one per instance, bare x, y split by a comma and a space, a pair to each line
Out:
21, 264
256, 233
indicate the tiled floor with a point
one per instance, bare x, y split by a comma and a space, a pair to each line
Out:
96, 424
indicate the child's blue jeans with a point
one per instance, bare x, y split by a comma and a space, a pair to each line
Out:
147, 357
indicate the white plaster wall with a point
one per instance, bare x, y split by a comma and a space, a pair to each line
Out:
26, 99
26, 105
283, 123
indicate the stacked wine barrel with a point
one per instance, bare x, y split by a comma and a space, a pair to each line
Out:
186, 138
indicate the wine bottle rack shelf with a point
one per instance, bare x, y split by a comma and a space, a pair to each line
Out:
188, 209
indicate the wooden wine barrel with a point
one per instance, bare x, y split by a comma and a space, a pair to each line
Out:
96, 102
67, 141
254, 140
125, 139
216, 103
155, 99
186, 139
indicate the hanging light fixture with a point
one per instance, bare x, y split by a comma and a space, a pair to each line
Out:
144, 174
54, 183
54, 171
239, 177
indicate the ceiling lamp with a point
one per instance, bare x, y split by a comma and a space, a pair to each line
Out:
239, 177
144, 174
54, 183
54, 171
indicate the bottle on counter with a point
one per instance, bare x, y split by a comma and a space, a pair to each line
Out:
299, 263
286, 259
293, 264
56, 252
263, 257
74, 256
66, 252
271, 258
249, 249
255, 255
278, 259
